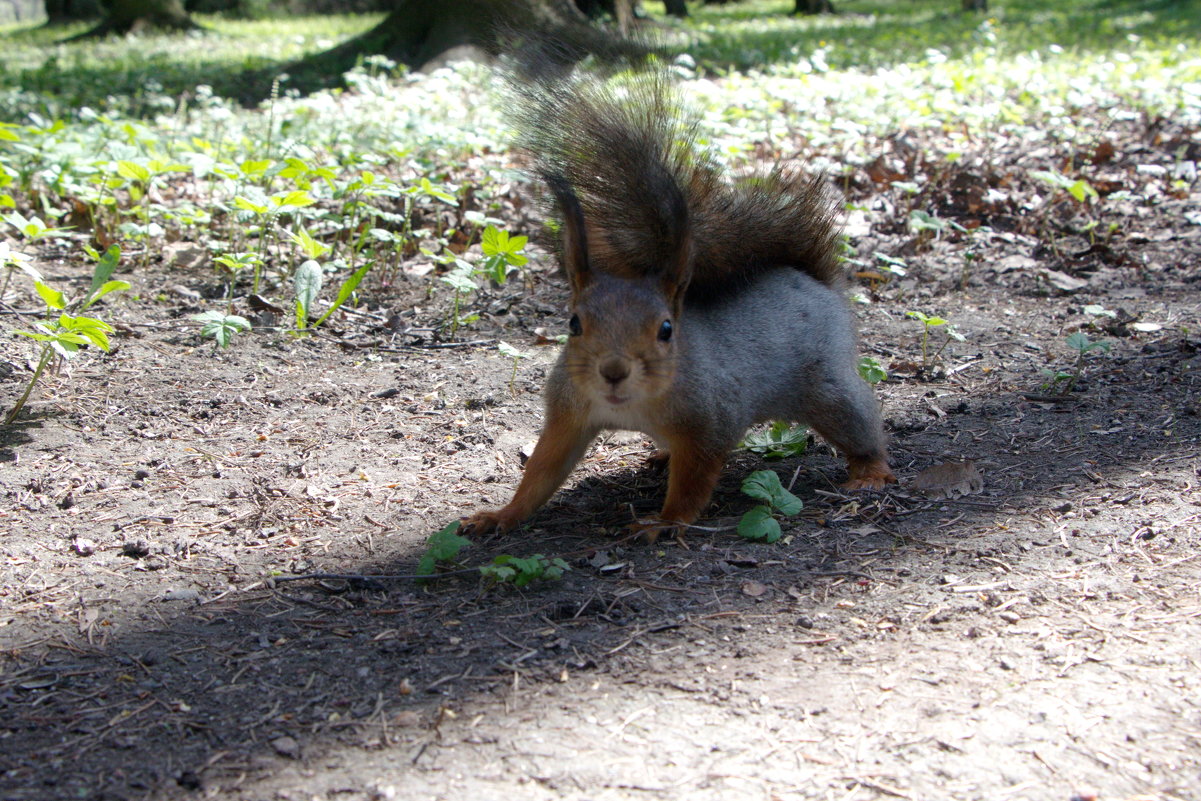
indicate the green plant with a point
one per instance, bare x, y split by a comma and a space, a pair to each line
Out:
306, 284
501, 252
923, 222
32, 227
221, 327
871, 371
1080, 343
1079, 189
442, 547
62, 335
234, 263
459, 279
520, 571
927, 324
780, 440
508, 350
759, 524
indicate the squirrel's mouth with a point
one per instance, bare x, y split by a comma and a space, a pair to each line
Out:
615, 399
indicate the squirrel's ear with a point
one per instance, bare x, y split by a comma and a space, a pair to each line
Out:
575, 235
677, 273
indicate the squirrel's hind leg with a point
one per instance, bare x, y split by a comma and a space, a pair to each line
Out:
844, 411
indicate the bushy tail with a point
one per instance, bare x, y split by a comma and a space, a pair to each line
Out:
628, 150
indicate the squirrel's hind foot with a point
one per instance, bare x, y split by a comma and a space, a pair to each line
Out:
650, 530
872, 473
657, 462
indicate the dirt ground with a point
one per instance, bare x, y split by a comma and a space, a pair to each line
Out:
1040, 639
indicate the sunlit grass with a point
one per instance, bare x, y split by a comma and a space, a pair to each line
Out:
40, 73
877, 33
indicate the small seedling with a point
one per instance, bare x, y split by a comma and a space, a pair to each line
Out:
780, 440
234, 263
891, 264
1080, 189
519, 571
501, 252
927, 324
871, 371
923, 221
1079, 342
32, 227
459, 279
306, 282
508, 350
62, 336
760, 524
441, 548
221, 327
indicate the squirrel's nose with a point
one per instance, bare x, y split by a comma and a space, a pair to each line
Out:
615, 371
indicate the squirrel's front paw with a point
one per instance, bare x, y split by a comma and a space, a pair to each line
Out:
649, 530
486, 521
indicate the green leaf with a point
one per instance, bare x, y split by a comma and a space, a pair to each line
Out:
759, 526
494, 241
779, 441
310, 246
764, 485
307, 284
442, 546
1079, 341
52, 297
459, 281
1098, 310
132, 171
92, 330
346, 290
255, 167
296, 199
110, 286
106, 265
243, 203
508, 350
871, 371
1082, 190
221, 327
441, 194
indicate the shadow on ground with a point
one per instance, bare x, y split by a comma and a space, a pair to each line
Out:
203, 693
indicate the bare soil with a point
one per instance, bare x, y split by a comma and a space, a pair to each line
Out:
1040, 639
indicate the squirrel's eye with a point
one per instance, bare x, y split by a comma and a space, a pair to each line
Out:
665, 331
574, 326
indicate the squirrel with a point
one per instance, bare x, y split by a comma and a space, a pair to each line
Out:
700, 306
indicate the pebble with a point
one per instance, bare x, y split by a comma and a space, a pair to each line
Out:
286, 746
136, 548
83, 546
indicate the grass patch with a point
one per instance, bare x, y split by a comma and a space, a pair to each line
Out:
759, 34
147, 74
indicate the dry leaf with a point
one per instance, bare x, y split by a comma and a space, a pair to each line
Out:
1063, 281
949, 480
408, 717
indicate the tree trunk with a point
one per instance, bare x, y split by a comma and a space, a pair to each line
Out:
813, 7
62, 11
975, 5
417, 31
677, 8
131, 16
